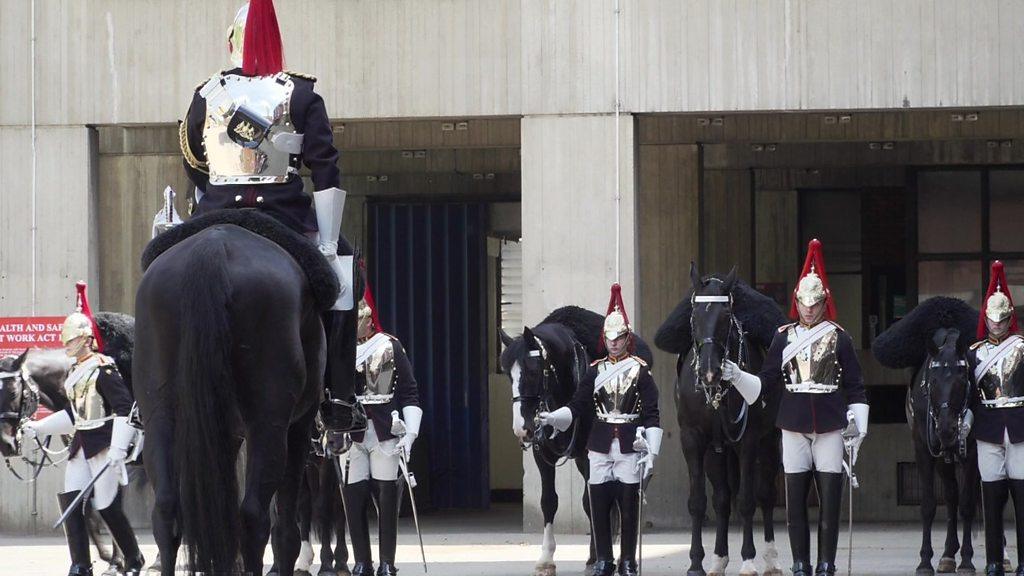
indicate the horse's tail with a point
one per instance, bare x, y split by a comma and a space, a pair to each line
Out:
204, 441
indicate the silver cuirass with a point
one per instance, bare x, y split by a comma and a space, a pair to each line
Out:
380, 375
617, 399
248, 134
815, 366
89, 409
1002, 381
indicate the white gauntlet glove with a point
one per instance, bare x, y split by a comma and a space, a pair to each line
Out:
120, 441
748, 385
407, 429
55, 424
560, 419
648, 443
858, 413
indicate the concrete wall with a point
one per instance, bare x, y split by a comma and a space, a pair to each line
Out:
422, 58
569, 245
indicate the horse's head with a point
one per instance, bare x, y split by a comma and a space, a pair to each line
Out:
711, 323
948, 386
524, 362
12, 402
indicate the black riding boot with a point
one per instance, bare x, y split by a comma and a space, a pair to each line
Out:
830, 493
77, 535
387, 506
124, 536
994, 495
629, 511
357, 500
1017, 492
603, 498
797, 487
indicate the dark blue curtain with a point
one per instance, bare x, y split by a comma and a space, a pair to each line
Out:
428, 269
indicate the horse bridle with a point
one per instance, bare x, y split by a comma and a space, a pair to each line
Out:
28, 400
715, 394
932, 421
545, 403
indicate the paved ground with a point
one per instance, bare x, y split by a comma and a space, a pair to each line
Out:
491, 544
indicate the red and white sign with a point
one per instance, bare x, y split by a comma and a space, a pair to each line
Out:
19, 333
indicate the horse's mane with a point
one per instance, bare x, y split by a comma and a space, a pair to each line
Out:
905, 343
118, 333
759, 314
586, 327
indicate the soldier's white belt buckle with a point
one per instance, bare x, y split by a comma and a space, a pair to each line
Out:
1004, 402
812, 388
618, 418
375, 399
92, 424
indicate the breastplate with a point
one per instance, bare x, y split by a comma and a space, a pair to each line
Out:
1002, 385
617, 400
817, 363
248, 132
87, 403
380, 375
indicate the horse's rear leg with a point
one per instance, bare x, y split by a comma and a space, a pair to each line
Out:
158, 451
697, 501
748, 470
769, 462
583, 465
549, 506
304, 516
265, 464
968, 507
947, 472
718, 473
926, 471
286, 531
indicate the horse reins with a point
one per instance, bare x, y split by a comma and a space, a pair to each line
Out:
545, 401
932, 422
715, 394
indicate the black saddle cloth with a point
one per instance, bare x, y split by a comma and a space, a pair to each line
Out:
321, 277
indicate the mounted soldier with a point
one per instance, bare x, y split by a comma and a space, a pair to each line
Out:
98, 416
814, 363
385, 386
995, 364
247, 132
619, 392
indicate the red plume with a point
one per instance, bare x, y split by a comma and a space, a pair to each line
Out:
262, 53
368, 297
83, 307
616, 302
815, 260
996, 283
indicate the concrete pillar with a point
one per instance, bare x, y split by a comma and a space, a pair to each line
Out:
569, 211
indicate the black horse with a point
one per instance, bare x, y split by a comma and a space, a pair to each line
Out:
933, 339
724, 318
544, 365
229, 345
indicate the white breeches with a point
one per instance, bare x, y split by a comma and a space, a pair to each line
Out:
806, 452
80, 471
614, 466
1001, 461
373, 458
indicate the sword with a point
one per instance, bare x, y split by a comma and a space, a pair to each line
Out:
640, 445
849, 433
398, 429
81, 496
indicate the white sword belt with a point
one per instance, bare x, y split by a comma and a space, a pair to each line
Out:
375, 399
92, 424
618, 418
812, 388
1003, 402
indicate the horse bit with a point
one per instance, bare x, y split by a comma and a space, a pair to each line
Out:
28, 402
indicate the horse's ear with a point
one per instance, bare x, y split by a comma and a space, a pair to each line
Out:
528, 336
505, 338
694, 275
935, 342
20, 360
730, 279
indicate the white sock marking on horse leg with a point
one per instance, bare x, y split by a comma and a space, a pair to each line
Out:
748, 568
718, 564
547, 547
771, 559
305, 559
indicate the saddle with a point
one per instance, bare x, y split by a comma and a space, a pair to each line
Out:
322, 278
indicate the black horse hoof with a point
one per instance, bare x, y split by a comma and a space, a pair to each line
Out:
946, 565
327, 572
966, 570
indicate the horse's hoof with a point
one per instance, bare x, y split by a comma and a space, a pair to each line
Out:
774, 572
966, 571
327, 572
1007, 565
698, 572
544, 569
748, 568
946, 565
